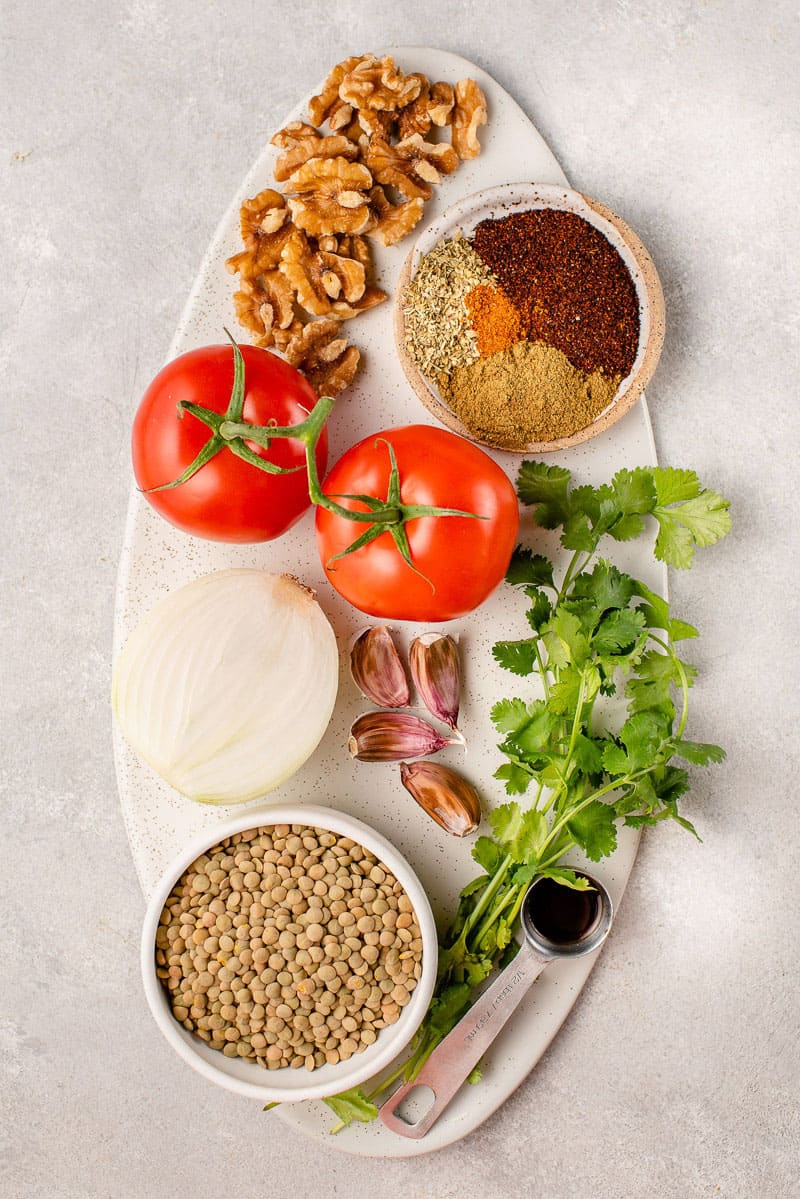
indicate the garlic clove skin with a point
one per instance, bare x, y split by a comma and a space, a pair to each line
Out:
392, 736
435, 668
447, 797
377, 670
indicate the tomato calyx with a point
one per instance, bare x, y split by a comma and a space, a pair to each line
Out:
218, 441
388, 516
229, 430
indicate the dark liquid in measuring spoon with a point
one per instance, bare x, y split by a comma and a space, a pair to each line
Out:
561, 914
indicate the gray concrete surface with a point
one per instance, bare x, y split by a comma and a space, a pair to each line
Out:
126, 127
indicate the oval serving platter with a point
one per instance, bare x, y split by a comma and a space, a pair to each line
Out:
157, 559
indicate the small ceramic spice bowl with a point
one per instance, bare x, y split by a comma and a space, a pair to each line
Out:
243, 1074
493, 205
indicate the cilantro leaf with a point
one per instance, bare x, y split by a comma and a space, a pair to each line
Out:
565, 691
528, 568
615, 759
687, 516
643, 735
520, 834
487, 854
534, 737
635, 491
578, 533
595, 830
656, 673
546, 487
673, 485
565, 639
618, 631
672, 812
476, 884
588, 754
540, 610
352, 1105
605, 586
679, 630
657, 616
567, 878
706, 517
670, 782
699, 752
517, 779
627, 527
517, 656
509, 715
593, 510
448, 1007
478, 966
523, 876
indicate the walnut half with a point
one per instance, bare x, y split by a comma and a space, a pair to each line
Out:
265, 306
301, 142
376, 83
411, 166
433, 106
320, 277
393, 221
329, 196
323, 356
328, 106
469, 112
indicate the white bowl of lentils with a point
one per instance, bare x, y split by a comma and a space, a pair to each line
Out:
292, 957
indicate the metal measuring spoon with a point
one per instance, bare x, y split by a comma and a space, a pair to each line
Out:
579, 927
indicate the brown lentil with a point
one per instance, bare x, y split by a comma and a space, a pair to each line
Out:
261, 969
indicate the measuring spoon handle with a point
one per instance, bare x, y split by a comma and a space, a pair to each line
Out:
464, 1046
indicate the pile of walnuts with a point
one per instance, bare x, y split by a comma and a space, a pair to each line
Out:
306, 265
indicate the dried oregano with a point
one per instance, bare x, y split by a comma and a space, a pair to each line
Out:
439, 336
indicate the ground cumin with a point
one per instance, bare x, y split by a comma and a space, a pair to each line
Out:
529, 392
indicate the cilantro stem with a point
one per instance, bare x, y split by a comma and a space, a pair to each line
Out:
487, 895
543, 671
572, 812
666, 645
495, 914
518, 902
577, 720
556, 857
565, 582
573, 569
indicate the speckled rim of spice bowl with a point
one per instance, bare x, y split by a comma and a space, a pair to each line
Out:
287, 1085
497, 202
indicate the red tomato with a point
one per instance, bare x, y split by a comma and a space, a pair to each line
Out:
463, 558
228, 499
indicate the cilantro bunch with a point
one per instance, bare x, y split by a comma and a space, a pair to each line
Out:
596, 633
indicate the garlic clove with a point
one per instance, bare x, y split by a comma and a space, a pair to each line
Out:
447, 797
377, 670
433, 659
392, 736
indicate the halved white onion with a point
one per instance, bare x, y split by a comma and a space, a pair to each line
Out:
228, 685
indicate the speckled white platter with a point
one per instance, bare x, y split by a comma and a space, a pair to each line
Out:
157, 558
